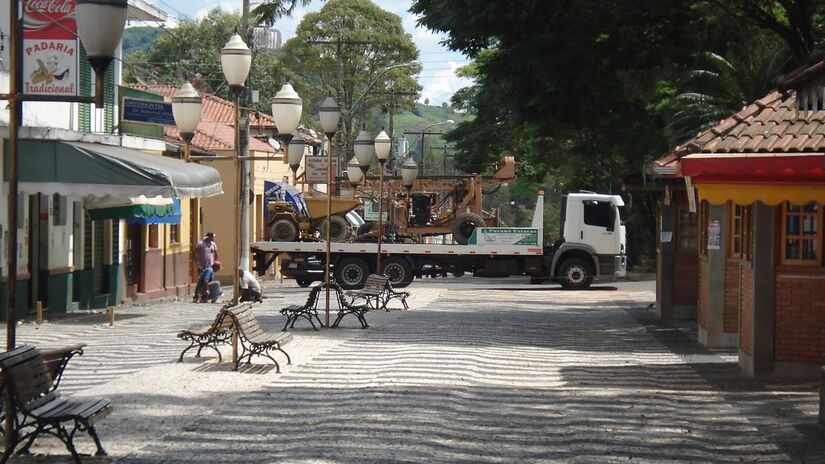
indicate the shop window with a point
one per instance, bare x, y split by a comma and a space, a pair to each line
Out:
174, 233
740, 228
153, 236
686, 230
801, 234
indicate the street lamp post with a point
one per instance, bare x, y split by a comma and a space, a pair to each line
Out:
364, 147
100, 25
186, 109
383, 145
448, 122
236, 59
330, 115
294, 154
409, 172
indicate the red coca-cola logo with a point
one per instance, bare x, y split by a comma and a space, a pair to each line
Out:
49, 19
56, 9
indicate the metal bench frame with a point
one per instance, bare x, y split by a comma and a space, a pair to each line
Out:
39, 407
349, 307
220, 332
378, 292
308, 310
253, 340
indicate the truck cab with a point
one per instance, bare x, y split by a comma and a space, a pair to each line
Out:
592, 245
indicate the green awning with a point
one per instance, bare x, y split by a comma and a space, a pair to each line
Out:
79, 168
135, 210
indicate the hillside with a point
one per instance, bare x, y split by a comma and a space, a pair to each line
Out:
416, 120
139, 38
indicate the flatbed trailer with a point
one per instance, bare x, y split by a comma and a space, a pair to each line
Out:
492, 252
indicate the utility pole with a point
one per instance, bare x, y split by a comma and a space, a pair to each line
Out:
391, 106
346, 122
422, 134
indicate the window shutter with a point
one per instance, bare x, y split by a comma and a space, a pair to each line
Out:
84, 110
109, 101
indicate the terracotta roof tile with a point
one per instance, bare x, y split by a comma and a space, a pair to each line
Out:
214, 108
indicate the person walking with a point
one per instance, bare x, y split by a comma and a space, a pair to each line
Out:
250, 288
206, 252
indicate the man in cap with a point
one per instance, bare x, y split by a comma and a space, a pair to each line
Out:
206, 252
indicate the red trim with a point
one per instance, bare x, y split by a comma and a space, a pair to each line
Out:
755, 168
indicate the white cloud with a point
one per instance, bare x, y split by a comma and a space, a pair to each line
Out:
442, 84
224, 5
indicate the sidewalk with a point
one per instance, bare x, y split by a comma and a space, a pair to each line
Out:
473, 373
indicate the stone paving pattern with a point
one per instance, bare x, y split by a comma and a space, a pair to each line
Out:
476, 372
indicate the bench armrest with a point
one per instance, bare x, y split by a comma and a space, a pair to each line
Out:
57, 359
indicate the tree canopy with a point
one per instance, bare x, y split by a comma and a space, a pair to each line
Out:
371, 40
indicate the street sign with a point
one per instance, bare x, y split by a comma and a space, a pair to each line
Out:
147, 112
316, 169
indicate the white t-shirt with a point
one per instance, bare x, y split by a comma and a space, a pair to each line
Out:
248, 281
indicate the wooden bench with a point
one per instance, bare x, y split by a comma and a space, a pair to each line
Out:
378, 292
39, 407
347, 306
56, 360
308, 310
220, 332
254, 341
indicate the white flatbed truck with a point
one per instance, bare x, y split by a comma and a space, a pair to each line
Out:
592, 247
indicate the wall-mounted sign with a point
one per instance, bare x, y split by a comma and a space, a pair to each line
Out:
141, 111
714, 234
50, 47
316, 169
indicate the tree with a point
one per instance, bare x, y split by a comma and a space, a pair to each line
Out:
721, 87
167, 62
270, 11
371, 41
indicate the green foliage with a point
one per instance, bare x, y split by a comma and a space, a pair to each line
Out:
269, 11
139, 38
167, 62
372, 40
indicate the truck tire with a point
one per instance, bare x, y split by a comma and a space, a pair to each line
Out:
284, 230
398, 270
575, 274
364, 228
464, 225
303, 282
340, 231
351, 272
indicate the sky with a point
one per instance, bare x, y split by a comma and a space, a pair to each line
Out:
439, 65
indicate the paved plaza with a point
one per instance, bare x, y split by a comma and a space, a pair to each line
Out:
478, 371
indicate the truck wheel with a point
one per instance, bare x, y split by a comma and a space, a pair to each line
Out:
575, 274
340, 231
464, 225
351, 273
284, 230
399, 271
303, 282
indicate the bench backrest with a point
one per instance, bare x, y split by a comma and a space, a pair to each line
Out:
312, 298
376, 283
245, 320
27, 377
222, 322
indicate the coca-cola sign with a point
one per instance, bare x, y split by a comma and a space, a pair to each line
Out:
50, 47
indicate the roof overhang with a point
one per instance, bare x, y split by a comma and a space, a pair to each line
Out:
755, 167
92, 169
139, 10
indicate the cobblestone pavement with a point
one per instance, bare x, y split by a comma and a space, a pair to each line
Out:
477, 372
